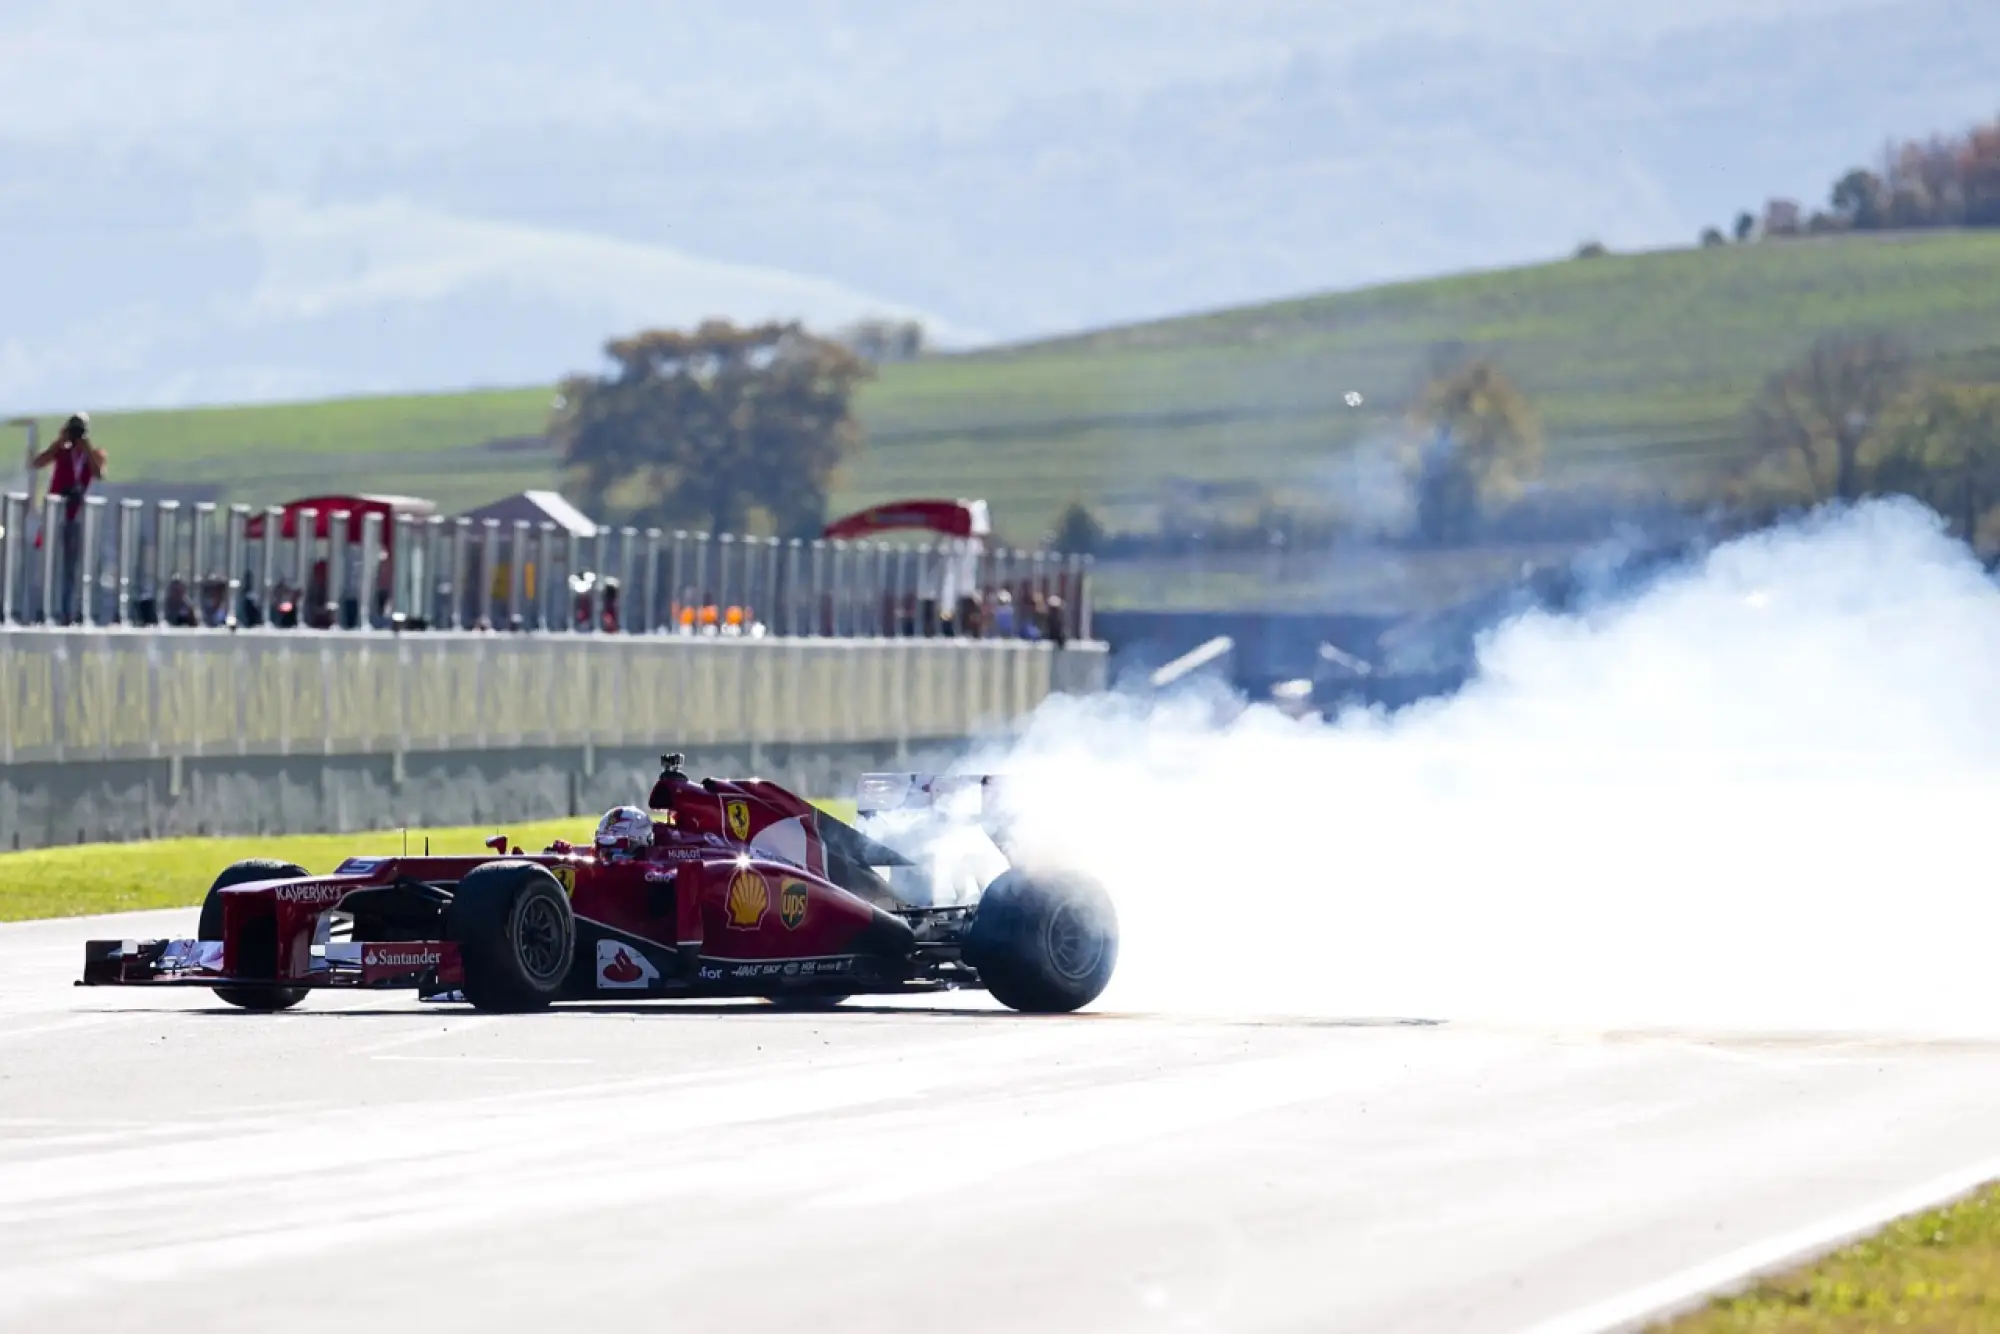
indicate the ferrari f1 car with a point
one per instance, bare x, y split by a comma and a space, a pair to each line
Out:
720, 889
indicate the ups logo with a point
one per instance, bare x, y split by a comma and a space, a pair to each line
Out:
737, 814
748, 899
792, 899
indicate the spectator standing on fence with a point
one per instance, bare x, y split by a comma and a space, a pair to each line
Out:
74, 462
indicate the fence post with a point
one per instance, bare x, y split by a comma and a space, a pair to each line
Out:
838, 558
795, 551
649, 614
704, 595
233, 553
1083, 600
305, 548
337, 542
47, 609
368, 577
573, 545
203, 558
451, 598
128, 560
725, 548
86, 574
547, 585
489, 570
166, 555
13, 514
267, 565
517, 577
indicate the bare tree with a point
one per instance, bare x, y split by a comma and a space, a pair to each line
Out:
1820, 412
1943, 447
1478, 442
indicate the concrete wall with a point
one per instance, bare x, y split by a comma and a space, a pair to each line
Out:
131, 734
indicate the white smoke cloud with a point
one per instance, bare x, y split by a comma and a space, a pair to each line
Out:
1761, 796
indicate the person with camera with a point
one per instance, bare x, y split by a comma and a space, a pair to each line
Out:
74, 462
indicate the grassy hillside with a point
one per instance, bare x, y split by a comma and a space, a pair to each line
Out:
1640, 366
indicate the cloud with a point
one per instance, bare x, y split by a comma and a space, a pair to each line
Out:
323, 261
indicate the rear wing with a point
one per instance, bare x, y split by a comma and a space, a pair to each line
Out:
973, 796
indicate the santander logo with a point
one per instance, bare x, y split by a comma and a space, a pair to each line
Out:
622, 970
622, 967
401, 958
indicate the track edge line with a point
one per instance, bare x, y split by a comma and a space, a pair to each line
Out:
1648, 1304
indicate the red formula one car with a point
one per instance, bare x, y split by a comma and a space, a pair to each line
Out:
722, 888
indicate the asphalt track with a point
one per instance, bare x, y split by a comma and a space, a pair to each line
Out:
168, 1164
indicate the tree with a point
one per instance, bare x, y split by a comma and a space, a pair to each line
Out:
1711, 237
1591, 250
1979, 172
1861, 198
1078, 531
1746, 226
710, 426
1943, 447
1480, 443
1819, 413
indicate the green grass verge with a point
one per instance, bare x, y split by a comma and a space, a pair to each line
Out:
176, 872
1934, 1271
1639, 365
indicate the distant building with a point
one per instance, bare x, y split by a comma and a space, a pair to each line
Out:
535, 507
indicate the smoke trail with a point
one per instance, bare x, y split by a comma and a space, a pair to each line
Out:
1760, 795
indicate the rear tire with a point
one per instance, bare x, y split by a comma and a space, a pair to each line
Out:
255, 955
1044, 944
515, 934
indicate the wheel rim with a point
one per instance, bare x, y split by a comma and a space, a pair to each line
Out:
1074, 948
539, 939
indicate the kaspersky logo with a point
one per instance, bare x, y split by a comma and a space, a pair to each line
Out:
316, 895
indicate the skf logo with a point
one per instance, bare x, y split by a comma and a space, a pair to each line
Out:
565, 876
748, 897
737, 813
793, 895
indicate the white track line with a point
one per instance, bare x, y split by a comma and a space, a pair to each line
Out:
1642, 1306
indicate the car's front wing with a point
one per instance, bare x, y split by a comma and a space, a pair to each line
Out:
428, 965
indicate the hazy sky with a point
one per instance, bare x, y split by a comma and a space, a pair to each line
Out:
214, 201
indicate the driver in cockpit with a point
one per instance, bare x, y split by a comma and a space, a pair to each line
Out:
625, 834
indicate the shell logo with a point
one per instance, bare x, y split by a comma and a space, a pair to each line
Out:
738, 815
748, 898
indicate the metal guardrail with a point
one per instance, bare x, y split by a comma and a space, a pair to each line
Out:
160, 564
68, 695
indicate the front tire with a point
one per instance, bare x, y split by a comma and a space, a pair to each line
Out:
515, 934
258, 953
1044, 944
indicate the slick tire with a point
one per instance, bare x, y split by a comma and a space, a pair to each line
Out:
515, 933
1044, 944
258, 952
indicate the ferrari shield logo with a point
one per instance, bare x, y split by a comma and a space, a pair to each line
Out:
737, 814
748, 897
792, 899
566, 877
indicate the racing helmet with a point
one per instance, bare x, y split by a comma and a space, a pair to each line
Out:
624, 834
